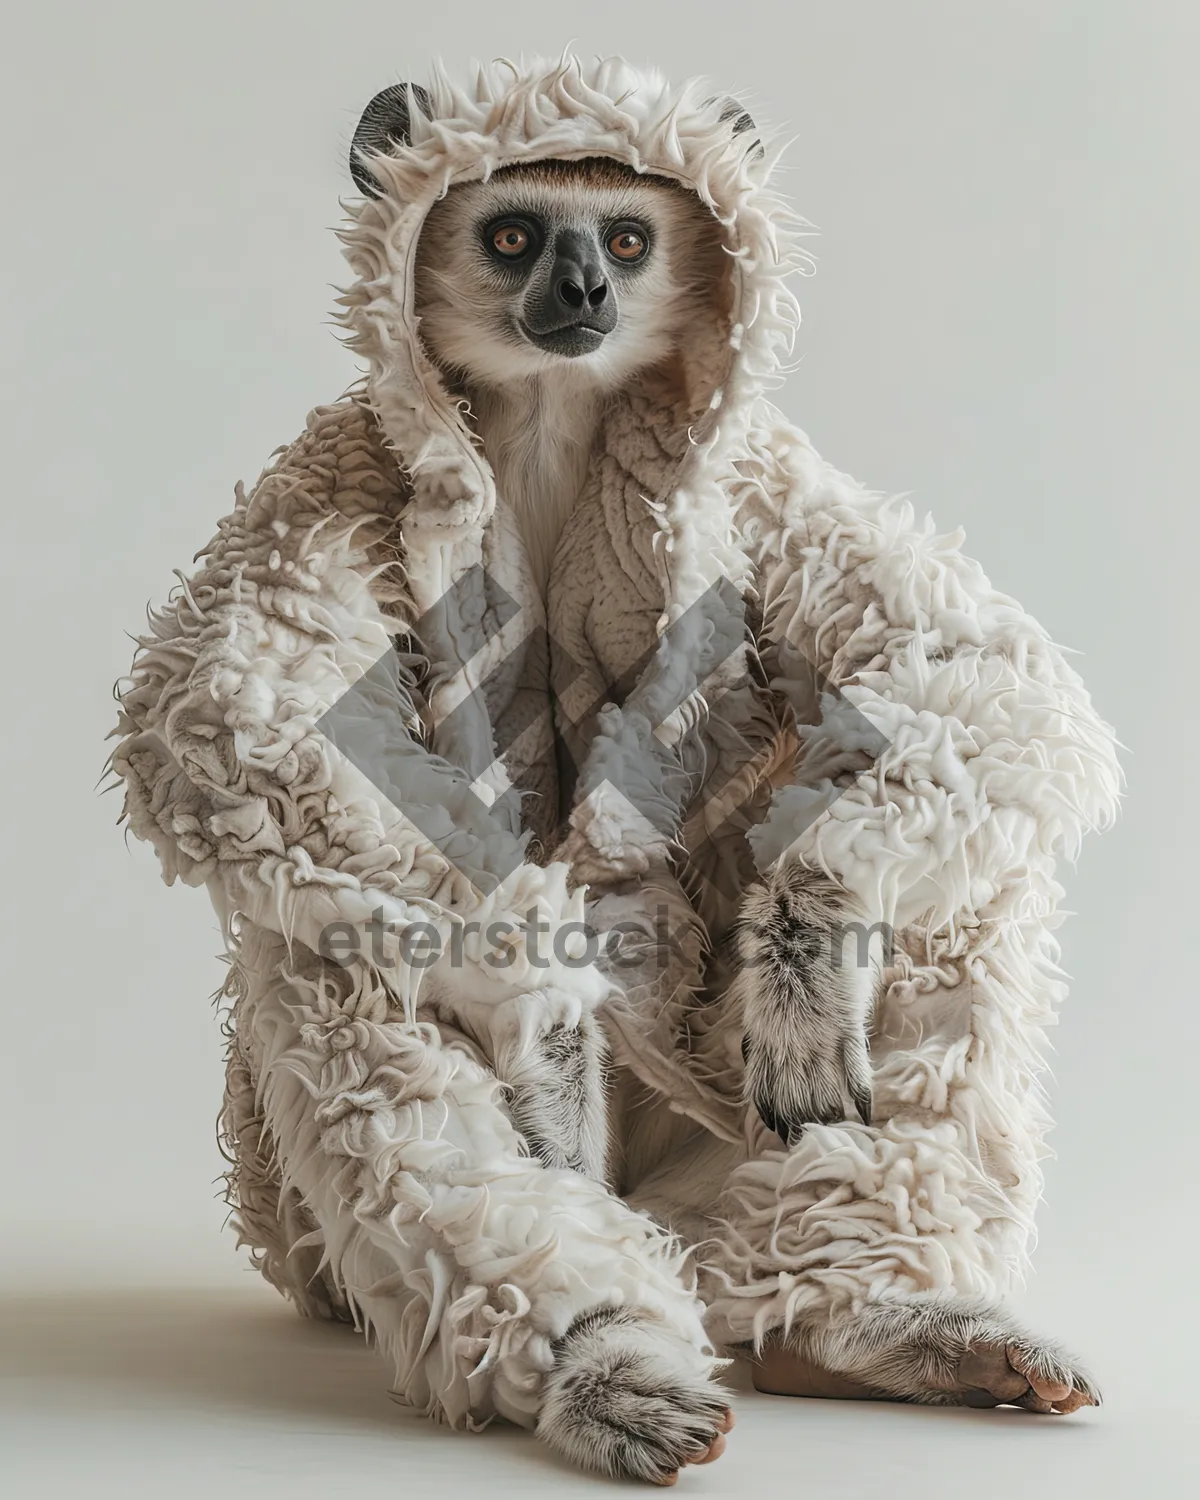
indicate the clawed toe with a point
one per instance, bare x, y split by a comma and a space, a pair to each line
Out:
951, 1351
709, 1455
1052, 1381
1020, 1373
713, 1451
1063, 1390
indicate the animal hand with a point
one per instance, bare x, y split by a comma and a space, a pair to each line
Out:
804, 1008
802, 1070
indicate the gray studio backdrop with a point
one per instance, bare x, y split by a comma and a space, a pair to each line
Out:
1003, 323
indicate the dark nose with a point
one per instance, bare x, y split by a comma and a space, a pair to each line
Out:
578, 291
579, 284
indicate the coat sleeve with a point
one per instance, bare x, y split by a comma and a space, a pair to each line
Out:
983, 763
982, 751
225, 741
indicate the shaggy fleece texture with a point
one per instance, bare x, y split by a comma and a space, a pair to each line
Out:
376, 1164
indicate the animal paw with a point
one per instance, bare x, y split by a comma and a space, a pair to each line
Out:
805, 992
949, 1351
557, 1086
629, 1399
829, 1083
1026, 1372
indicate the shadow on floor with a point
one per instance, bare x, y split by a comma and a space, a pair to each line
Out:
246, 1350
243, 1356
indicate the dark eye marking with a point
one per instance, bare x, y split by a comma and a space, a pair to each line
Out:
511, 238
627, 241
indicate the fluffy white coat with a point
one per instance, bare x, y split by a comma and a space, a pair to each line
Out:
376, 1167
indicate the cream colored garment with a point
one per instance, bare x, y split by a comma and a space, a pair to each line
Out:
375, 1163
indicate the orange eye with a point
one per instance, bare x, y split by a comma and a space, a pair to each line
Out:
627, 244
510, 240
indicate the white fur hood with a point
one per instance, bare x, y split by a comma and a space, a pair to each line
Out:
567, 110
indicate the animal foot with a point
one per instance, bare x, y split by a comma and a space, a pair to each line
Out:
628, 1398
1024, 1372
805, 991
949, 1351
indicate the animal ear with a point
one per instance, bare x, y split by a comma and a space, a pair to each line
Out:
385, 123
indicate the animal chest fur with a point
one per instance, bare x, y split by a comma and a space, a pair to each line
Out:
539, 439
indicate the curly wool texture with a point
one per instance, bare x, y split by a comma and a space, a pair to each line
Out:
376, 1170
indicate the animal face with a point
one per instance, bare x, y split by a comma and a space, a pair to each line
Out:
582, 263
